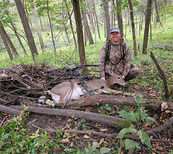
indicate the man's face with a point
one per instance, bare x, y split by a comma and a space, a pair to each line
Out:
115, 37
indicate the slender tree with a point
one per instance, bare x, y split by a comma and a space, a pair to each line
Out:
5, 43
147, 24
91, 15
107, 18
7, 40
26, 27
37, 27
17, 35
71, 24
119, 17
81, 48
133, 28
96, 19
86, 26
157, 11
50, 23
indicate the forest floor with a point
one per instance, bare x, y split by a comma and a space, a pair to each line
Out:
24, 84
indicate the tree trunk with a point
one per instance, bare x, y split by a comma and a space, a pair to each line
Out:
107, 19
86, 27
65, 28
20, 42
157, 11
119, 17
81, 48
71, 25
37, 27
27, 29
50, 23
5, 43
91, 15
147, 24
8, 40
96, 20
133, 28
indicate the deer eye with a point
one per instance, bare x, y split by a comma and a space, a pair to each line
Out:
119, 78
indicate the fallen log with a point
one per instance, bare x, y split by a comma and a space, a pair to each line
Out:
119, 123
164, 47
9, 110
126, 101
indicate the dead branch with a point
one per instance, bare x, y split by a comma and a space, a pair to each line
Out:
100, 118
163, 127
71, 131
162, 74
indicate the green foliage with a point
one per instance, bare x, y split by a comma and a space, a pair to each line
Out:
14, 138
137, 117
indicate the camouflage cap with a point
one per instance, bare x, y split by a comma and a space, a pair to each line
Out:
114, 29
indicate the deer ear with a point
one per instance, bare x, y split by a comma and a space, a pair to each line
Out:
111, 72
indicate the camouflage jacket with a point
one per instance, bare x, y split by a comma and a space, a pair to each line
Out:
117, 62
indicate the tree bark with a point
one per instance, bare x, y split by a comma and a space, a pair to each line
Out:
5, 43
79, 30
107, 19
26, 27
50, 23
37, 27
91, 15
9, 110
100, 118
119, 17
20, 42
147, 24
71, 25
8, 40
152, 105
86, 27
133, 28
96, 20
157, 12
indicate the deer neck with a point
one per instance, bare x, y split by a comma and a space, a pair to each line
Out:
108, 82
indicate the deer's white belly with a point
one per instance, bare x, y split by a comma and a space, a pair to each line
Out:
76, 93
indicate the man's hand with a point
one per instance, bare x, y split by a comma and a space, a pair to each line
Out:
103, 79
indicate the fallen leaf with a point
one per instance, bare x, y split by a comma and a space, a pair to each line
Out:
5, 114
103, 129
86, 136
65, 140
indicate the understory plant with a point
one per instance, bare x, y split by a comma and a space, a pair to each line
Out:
138, 117
15, 138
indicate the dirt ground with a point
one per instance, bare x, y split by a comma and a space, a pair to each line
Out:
24, 84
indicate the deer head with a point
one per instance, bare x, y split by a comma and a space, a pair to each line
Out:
116, 78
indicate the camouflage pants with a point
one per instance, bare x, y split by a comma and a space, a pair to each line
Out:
134, 71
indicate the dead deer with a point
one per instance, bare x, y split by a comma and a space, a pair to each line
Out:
72, 90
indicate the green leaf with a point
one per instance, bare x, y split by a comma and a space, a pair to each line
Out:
5, 136
124, 131
144, 138
1, 131
105, 150
150, 120
124, 114
130, 144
